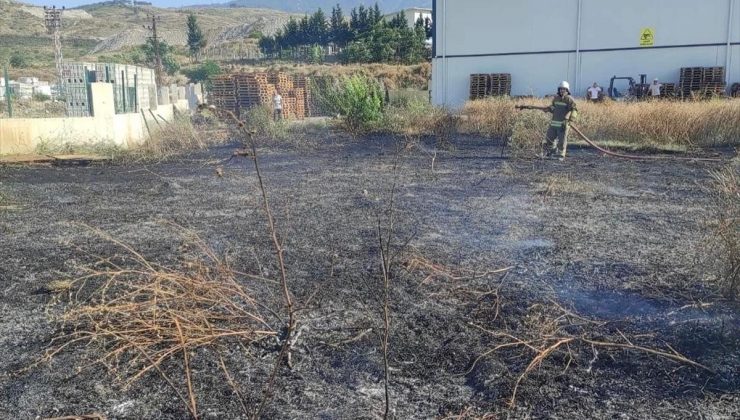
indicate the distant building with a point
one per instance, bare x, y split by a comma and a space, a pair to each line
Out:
412, 15
542, 42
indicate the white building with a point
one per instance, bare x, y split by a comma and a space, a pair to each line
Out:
542, 42
412, 15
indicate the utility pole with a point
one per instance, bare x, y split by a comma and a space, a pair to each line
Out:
53, 23
158, 70
8, 99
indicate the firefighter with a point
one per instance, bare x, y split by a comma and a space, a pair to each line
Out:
564, 111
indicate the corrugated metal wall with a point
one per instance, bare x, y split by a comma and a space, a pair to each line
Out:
538, 42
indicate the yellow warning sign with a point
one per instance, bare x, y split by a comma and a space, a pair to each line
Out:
647, 37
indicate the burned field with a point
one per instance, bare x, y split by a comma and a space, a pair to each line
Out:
573, 287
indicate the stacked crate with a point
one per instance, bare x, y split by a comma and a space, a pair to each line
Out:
223, 93
702, 81
690, 80
247, 90
300, 102
289, 108
301, 82
479, 86
713, 82
499, 84
668, 90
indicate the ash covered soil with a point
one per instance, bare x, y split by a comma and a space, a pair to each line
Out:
610, 240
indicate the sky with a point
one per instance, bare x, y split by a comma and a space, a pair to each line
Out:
159, 3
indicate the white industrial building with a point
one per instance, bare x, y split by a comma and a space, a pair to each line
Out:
412, 15
542, 42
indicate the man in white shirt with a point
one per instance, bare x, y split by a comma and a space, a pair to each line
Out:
277, 106
594, 92
654, 89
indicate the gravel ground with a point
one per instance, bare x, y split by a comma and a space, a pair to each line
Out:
611, 240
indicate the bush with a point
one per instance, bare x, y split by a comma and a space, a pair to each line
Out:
357, 99
171, 138
203, 72
260, 119
18, 60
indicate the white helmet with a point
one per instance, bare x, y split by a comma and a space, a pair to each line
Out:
564, 85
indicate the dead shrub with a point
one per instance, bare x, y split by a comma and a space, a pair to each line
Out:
173, 137
547, 330
528, 134
135, 316
445, 127
493, 117
724, 240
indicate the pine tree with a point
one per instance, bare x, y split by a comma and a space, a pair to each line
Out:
196, 40
375, 15
317, 29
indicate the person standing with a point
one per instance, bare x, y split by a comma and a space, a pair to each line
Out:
595, 92
654, 90
277, 106
564, 111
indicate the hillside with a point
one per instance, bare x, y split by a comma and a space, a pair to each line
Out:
105, 28
387, 6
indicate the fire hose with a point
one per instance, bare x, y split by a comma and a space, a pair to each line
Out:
621, 155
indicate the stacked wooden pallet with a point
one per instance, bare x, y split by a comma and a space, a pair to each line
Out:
500, 84
479, 85
248, 90
702, 81
301, 82
485, 85
300, 102
668, 90
714, 81
223, 93
690, 80
289, 108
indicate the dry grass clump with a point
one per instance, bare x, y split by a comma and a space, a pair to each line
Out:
690, 124
135, 316
651, 124
532, 333
724, 240
178, 136
548, 331
492, 117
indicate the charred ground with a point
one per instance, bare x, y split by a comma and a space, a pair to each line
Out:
608, 240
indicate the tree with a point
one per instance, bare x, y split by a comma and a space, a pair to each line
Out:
317, 29
339, 30
166, 53
376, 16
360, 21
196, 39
291, 34
304, 32
203, 72
426, 25
398, 21
18, 60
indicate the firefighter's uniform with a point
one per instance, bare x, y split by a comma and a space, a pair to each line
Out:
564, 110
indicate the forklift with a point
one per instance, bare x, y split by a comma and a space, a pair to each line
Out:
635, 90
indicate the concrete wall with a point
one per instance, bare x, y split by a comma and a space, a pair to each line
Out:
538, 42
24, 135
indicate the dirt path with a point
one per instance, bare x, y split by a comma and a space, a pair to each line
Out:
612, 240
